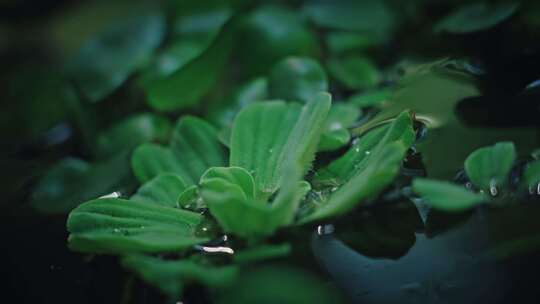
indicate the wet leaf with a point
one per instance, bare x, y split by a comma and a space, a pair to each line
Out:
366, 148
297, 79
194, 148
475, 17
163, 190
117, 226
446, 132
489, 167
336, 133
265, 151
171, 276
279, 285
189, 84
105, 61
378, 173
354, 72
446, 196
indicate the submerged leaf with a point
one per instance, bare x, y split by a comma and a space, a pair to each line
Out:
172, 276
446, 196
489, 167
117, 226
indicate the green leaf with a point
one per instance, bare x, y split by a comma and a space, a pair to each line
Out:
163, 189
73, 181
532, 174
117, 226
262, 252
342, 41
297, 79
279, 284
416, 91
373, 98
188, 85
378, 173
364, 149
223, 114
104, 62
489, 167
271, 33
133, 131
235, 213
350, 15
234, 175
171, 276
354, 72
226, 192
475, 17
336, 133
193, 149
266, 151
190, 198
446, 196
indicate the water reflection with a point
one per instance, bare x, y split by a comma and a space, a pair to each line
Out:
450, 268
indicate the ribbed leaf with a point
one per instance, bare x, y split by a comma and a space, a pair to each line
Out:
194, 148
234, 175
379, 172
446, 196
266, 136
163, 190
118, 226
366, 148
488, 167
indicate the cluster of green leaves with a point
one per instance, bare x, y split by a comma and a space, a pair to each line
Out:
259, 147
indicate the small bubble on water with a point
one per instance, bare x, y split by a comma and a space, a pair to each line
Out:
357, 150
368, 152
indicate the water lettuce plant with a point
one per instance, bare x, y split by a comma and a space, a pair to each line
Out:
291, 152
